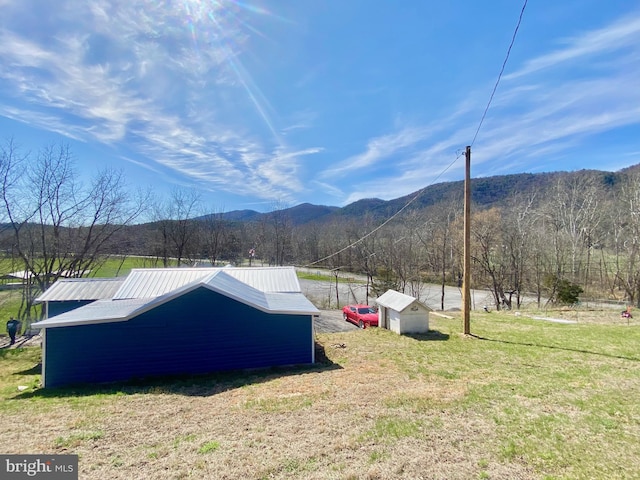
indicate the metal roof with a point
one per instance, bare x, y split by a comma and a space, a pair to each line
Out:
99, 311
272, 302
268, 279
81, 289
153, 282
219, 281
397, 301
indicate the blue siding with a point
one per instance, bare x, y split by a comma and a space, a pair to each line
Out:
56, 308
199, 332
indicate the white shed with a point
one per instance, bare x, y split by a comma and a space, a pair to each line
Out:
402, 313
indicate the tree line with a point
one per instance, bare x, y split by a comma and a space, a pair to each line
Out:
578, 235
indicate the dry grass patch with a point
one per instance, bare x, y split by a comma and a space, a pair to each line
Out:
523, 399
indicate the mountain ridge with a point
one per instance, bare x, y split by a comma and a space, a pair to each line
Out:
485, 192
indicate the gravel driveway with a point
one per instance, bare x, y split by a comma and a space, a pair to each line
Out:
331, 321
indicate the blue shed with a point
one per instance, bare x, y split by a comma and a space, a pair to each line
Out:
211, 324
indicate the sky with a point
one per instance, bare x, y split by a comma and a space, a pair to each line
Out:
266, 104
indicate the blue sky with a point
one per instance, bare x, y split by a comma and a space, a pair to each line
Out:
264, 104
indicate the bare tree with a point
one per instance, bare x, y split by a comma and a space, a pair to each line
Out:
518, 225
275, 234
365, 254
220, 241
437, 240
59, 226
178, 229
489, 253
574, 207
628, 271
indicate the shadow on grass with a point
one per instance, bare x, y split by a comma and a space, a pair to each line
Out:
554, 347
201, 385
430, 336
35, 370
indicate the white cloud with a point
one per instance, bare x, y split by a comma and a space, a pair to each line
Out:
620, 35
379, 149
167, 79
533, 119
141, 72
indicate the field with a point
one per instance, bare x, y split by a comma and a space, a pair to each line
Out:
521, 399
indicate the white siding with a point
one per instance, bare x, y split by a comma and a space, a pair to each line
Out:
404, 314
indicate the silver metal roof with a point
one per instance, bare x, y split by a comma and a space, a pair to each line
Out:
81, 289
397, 301
153, 282
220, 281
100, 311
268, 279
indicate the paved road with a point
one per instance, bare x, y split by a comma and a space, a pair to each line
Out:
323, 295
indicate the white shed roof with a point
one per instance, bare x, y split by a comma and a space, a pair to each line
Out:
81, 289
153, 282
220, 281
397, 301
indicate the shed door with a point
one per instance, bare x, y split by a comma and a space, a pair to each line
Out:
384, 317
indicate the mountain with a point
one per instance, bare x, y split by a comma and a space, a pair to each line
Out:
486, 192
240, 215
306, 212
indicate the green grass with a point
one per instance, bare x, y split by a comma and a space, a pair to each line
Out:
281, 405
118, 267
390, 429
75, 439
563, 397
208, 447
19, 367
554, 400
326, 278
10, 300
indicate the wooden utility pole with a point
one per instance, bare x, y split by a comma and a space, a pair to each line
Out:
466, 270
335, 272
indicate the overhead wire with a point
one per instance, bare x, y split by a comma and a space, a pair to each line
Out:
406, 205
504, 64
475, 136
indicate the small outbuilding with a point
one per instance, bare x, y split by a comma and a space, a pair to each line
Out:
402, 313
181, 321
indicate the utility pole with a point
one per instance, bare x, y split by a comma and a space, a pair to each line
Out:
466, 270
335, 272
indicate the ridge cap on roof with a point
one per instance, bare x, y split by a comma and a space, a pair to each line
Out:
88, 279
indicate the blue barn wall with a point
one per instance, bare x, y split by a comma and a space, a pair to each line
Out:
199, 332
56, 308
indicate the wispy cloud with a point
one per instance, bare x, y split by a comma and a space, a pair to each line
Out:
169, 83
533, 120
379, 149
142, 72
620, 35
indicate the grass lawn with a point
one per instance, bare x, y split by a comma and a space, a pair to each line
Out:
521, 399
121, 266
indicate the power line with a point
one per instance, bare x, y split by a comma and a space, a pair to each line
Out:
413, 199
420, 192
504, 64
